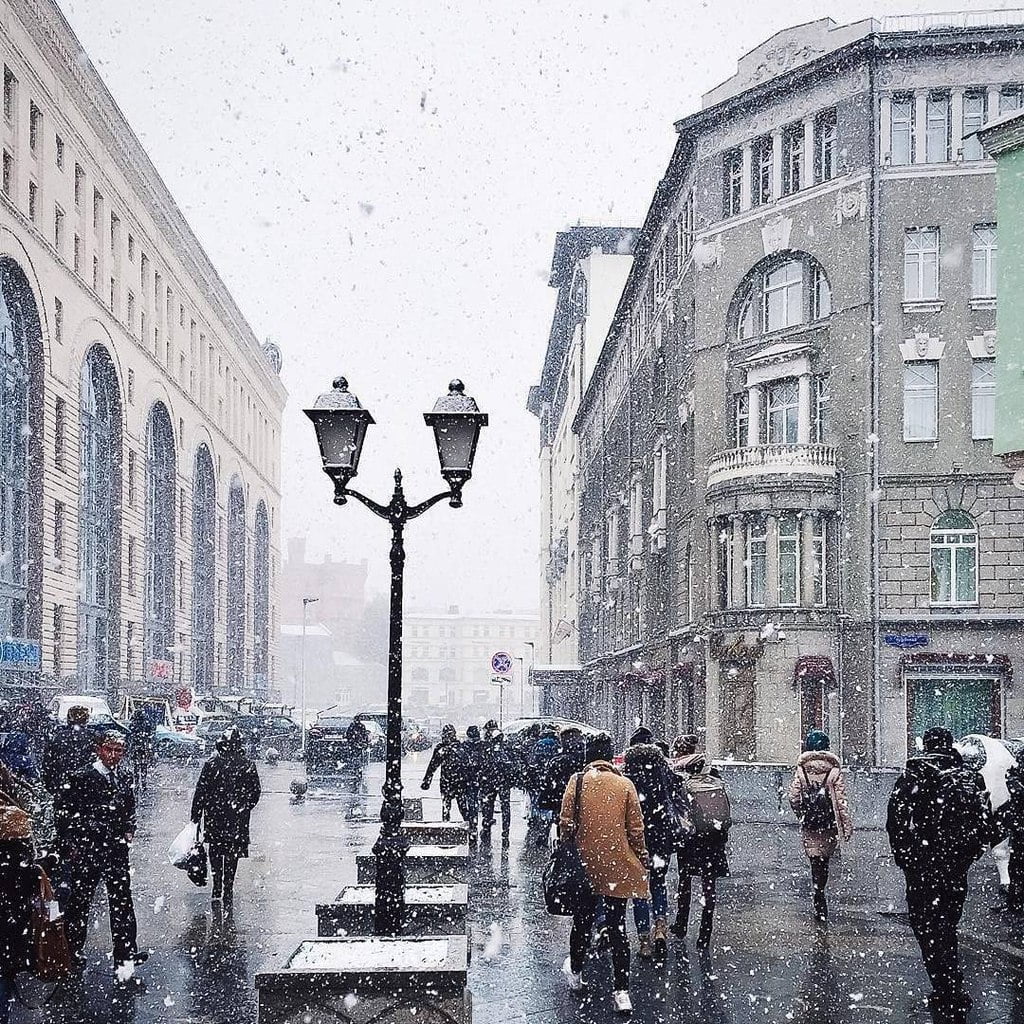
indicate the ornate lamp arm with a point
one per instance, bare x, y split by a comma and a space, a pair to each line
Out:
384, 511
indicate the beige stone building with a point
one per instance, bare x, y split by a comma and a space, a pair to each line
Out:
139, 415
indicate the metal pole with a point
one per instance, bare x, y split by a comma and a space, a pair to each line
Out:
533, 661
306, 602
392, 845
522, 685
501, 702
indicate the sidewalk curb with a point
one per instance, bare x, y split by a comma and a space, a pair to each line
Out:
990, 945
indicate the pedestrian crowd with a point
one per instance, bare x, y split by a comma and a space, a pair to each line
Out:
67, 822
628, 816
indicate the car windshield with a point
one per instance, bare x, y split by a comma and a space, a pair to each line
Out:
333, 724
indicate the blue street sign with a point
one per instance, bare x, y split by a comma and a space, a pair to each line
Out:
501, 663
20, 655
906, 641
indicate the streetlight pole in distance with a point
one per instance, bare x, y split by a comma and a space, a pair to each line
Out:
522, 685
533, 661
306, 602
341, 422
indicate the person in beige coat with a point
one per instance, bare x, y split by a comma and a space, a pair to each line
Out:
610, 840
817, 795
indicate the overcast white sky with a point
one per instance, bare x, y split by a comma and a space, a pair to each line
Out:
379, 184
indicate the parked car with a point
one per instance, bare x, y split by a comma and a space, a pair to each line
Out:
210, 727
516, 729
261, 733
170, 743
327, 725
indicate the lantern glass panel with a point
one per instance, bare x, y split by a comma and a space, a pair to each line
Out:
456, 442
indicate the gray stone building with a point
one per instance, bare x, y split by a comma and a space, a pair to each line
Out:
789, 511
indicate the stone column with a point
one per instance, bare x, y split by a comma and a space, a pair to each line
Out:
803, 422
807, 560
738, 554
753, 415
992, 107
745, 180
920, 124
884, 127
776, 165
956, 120
771, 597
808, 169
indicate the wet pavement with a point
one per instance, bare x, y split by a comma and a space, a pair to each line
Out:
768, 962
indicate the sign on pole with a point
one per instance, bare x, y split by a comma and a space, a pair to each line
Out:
20, 655
501, 663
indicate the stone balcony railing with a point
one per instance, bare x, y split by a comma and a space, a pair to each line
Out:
803, 460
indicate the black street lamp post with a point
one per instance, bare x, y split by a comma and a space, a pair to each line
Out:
341, 423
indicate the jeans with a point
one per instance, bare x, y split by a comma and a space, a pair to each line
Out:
658, 903
615, 922
1015, 895
935, 907
467, 804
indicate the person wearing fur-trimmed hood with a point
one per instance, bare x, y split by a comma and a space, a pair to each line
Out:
817, 795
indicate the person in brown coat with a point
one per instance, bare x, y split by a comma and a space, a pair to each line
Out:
817, 795
610, 840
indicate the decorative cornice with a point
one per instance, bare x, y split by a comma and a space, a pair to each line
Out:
57, 42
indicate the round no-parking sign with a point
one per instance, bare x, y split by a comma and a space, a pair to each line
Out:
501, 663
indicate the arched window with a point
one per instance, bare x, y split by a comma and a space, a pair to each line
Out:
20, 433
954, 545
204, 569
236, 587
99, 522
261, 598
160, 486
778, 295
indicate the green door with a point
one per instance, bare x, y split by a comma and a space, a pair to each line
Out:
960, 703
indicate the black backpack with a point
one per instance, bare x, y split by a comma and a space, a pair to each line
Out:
817, 813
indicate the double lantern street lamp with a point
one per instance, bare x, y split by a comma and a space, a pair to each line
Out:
341, 423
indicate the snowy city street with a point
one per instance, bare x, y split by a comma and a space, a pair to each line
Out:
768, 963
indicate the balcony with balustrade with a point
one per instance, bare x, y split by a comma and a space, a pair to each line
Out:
803, 463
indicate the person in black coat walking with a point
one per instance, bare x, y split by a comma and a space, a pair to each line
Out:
227, 791
70, 749
19, 887
645, 766
496, 770
939, 823
95, 823
444, 758
560, 770
469, 756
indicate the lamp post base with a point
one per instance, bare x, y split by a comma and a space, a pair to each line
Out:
389, 899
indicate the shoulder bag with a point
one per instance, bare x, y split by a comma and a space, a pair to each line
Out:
567, 887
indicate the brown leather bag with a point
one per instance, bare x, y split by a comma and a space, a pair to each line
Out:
15, 824
52, 959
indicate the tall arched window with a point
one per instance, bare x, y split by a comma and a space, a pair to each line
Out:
780, 294
160, 486
99, 522
261, 598
204, 569
236, 587
20, 433
954, 546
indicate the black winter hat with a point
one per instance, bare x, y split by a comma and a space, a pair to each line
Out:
473, 732
938, 741
642, 735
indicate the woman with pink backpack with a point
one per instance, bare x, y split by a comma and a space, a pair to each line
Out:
817, 795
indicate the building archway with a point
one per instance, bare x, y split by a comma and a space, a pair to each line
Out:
99, 523
21, 431
204, 569
236, 681
161, 477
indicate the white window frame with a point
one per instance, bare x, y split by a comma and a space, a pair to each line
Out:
921, 264
822, 383
984, 261
921, 390
788, 411
786, 282
819, 556
787, 551
821, 295
760, 540
733, 183
745, 326
741, 419
959, 542
983, 399
973, 118
901, 125
936, 120
793, 159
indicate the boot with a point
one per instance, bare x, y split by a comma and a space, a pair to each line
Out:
704, 935
646, 950
820, 907
659, 938
681, 924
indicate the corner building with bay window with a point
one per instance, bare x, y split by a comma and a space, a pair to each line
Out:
139, 415
790, 514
